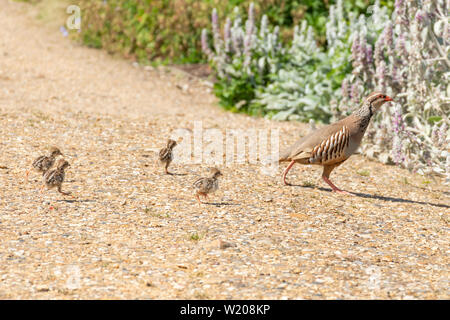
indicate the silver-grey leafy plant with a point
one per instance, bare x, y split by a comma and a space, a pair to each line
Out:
410, 62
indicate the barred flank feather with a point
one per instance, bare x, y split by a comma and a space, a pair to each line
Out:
331, 148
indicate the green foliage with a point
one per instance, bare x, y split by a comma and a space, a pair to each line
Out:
156, 30
170, 30
410, 63
260, 74
194, 236
234, 94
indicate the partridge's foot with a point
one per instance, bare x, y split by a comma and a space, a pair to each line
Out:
334, 188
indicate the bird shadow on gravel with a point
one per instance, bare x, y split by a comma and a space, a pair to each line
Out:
74, 200
383, 198
220, 204
391, 199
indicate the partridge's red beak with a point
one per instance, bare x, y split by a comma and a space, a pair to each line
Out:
388, 98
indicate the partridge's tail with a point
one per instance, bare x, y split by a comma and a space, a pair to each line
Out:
284, 158
285, 155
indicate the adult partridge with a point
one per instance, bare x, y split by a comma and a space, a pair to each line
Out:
44, 163
331, 145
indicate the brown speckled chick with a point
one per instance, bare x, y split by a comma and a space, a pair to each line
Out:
166, 154
55, 177
44, 163
204, 186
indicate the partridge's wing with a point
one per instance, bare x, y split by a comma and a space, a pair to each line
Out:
39, 162
164, 154
201, 184
49, 176
309, 146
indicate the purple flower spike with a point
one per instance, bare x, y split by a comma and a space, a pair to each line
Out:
400, 48
344, 88
399, 6
379, 45
354, 93
355, 47
369, 54
215, 19
400, 12
442, 134
204, 40
251, 12
388, 34
421, 17
227, 34
397, 153
397, 120
394, 74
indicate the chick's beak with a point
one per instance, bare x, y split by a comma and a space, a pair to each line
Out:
388, 98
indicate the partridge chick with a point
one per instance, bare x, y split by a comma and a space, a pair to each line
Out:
55, 177
44, 163
166, 154
331, 145
204, 186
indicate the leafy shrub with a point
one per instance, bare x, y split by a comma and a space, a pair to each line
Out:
156, 30
304, 87
295, 81
170, 30
410, 63
243, 58
151, 30
300, 89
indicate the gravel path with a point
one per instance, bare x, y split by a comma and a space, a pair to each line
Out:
132, 232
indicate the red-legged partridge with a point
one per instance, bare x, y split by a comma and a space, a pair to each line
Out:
204, 186
44, 163
331, 145
166, 154
55, 177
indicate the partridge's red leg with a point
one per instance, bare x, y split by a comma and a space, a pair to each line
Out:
335, 189
286, 171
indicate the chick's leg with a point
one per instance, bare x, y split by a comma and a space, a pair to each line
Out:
62, 192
